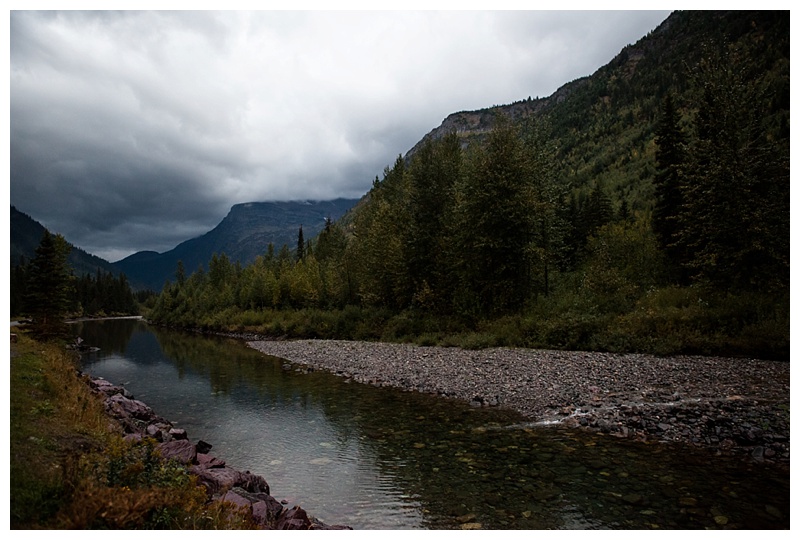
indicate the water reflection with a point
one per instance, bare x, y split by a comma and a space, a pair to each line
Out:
382, 458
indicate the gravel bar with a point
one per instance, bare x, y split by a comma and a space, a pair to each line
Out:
733, 405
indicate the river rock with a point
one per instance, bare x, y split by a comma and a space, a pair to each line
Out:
253, 483
178, 433
216, 480
203, 447
729, 405
243, 489
181, 450
209, 462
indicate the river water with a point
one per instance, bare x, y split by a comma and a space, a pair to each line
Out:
380, 458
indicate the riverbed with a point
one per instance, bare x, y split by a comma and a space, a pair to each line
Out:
734, 405
376, 457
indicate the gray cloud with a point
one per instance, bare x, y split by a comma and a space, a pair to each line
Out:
138, 130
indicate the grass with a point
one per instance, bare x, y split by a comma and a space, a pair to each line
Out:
70, 468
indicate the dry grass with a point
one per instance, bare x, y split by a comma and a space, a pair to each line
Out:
71, 468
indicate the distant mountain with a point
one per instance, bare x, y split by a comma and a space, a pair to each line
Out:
242, 235
26, 233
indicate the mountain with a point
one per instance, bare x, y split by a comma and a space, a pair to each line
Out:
604, 123
242, 235
26, 233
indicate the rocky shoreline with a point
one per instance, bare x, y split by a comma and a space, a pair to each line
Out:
731, 406
245, 490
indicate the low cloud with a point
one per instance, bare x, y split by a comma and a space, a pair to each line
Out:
137, 130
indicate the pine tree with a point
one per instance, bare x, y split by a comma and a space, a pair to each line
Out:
49, 285
734, 221
180, 274
670, 162
301, 245
495, 226
432, 173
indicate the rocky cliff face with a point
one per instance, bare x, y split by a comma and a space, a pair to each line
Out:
473, 125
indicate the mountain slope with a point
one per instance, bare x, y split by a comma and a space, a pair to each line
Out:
26, 233
605, 122
242, 235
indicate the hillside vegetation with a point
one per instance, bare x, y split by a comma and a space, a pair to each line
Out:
644, 208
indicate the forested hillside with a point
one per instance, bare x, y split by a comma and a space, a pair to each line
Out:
643, 208
47, 270
26, 233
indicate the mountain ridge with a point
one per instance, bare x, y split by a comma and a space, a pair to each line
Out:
26, 234
243, 234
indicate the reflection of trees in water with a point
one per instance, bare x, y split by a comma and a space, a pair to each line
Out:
112, 335
461, 462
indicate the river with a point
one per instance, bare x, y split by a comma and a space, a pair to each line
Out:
381, 458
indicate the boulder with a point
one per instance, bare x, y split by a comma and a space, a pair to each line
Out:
177, 433
121, 407
216, 480
209, 462
294, 519
236, 499
182, 451
203, 447
153, 431
253, 483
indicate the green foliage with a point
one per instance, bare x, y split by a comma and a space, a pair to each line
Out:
670, 161
46, 289
647, 210
49, 284
734, 220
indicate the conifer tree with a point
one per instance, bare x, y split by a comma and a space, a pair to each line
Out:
496, 225
49, 285
670, 162
301, 245
433, 172
734, 221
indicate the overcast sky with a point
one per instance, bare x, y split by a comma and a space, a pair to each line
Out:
137, 130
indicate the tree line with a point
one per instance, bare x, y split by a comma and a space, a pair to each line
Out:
490, 236
46, 289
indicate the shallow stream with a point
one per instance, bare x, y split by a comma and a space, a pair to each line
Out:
380, 458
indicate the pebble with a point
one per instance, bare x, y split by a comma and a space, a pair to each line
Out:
731, 405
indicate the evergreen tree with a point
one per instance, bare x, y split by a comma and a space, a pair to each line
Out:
379, 233
432, 173
670, 161
495, 225
597, 211
180, 274
19, 289
49, 285
301, 245
546, 195
734, 220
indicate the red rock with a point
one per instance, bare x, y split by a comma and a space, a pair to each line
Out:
181, 450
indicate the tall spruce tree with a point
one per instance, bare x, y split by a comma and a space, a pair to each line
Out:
496, 225
734, 220
670, 161
301, 245
432, 173
49, 285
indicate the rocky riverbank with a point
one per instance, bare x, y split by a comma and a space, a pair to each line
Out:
245, 490
728, 405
